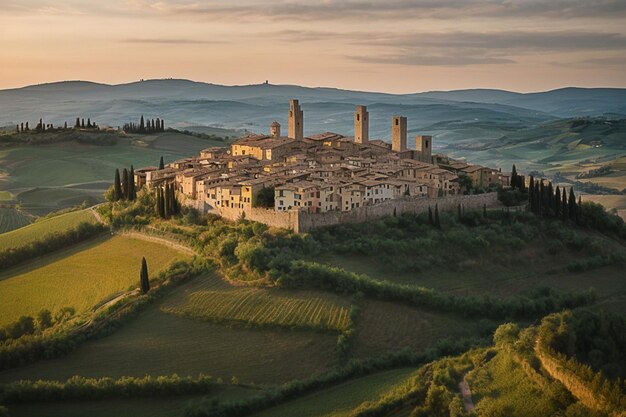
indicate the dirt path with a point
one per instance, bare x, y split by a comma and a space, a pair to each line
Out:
95, 213
467, 395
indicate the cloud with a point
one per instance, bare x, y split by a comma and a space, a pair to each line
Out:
386, 9
167, 41
418, 59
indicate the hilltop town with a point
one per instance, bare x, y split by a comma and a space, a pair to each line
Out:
320, 173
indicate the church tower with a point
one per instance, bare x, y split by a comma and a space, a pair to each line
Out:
296, 120
361, 125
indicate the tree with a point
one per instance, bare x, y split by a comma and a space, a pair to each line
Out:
514, 177
430, 216
82, 123
131, 184
125, 189
557, 202
142, 127
264, 198
564, 211
161, 164
437, 223
65, 125
44, 319
117, 186
144, 280
571, 207
77, 125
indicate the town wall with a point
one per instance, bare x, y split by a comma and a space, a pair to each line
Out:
310, 221
301, 221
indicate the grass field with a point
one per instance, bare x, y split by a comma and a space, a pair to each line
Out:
156, 343
79, 277
11, 219
339, 400
501, 384
384, 326
39, 229
141, 407
212, 299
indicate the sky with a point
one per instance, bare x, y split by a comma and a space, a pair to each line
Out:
397, 46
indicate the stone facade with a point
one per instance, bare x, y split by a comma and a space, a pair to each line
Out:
398, 134
361, 125
296, 121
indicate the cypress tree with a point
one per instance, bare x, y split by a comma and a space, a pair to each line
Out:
161, 164
65, 125
88, 122
459, 210
160, 203
572, 204
550, 197
117, 188
77, 125
437, 223
131, 179
22, 129
564, 211
82, 123
142, 125
514, 178
430, 216
125, 184
557, 202
144, 279
531, 193
27, 128
17, 129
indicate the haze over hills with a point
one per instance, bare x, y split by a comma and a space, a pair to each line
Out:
187, 103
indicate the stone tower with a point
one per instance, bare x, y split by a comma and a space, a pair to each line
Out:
398, 134
361, 125
424, 144
296, 121
275, 129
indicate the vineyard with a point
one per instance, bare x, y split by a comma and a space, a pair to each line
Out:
11, 218
37, 230
262, 307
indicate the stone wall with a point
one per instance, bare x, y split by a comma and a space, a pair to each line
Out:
308, 222
302, 221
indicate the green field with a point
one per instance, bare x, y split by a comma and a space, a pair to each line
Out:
140, 407
383, 326
339, 400
41, 228
212, 300
45, 178
79, 277
156, 343
11, 219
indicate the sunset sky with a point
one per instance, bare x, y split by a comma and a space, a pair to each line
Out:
391, 45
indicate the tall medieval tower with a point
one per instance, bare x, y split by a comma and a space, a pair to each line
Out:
398, 134
424, 144
361, 125
296, 120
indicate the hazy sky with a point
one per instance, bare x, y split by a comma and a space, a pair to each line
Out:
388, 45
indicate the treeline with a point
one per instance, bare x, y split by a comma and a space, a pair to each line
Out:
147, 126
166, 203
43, 127
355, 368
27, 325
124, 188
591, 387
50, 242
535, 303
80, 388
30, 348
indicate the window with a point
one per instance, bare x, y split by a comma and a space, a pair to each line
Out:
397, 122
358, 117
281, 203
426, 144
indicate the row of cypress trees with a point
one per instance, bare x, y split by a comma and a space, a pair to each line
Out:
145, 126
124, 188
166, 204
547, 201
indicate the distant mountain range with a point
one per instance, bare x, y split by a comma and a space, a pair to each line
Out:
185, 103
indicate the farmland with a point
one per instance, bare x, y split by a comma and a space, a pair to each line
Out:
157, 343
141, 407
41, 228
339, 400
303, 309
12, 218
66, 279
